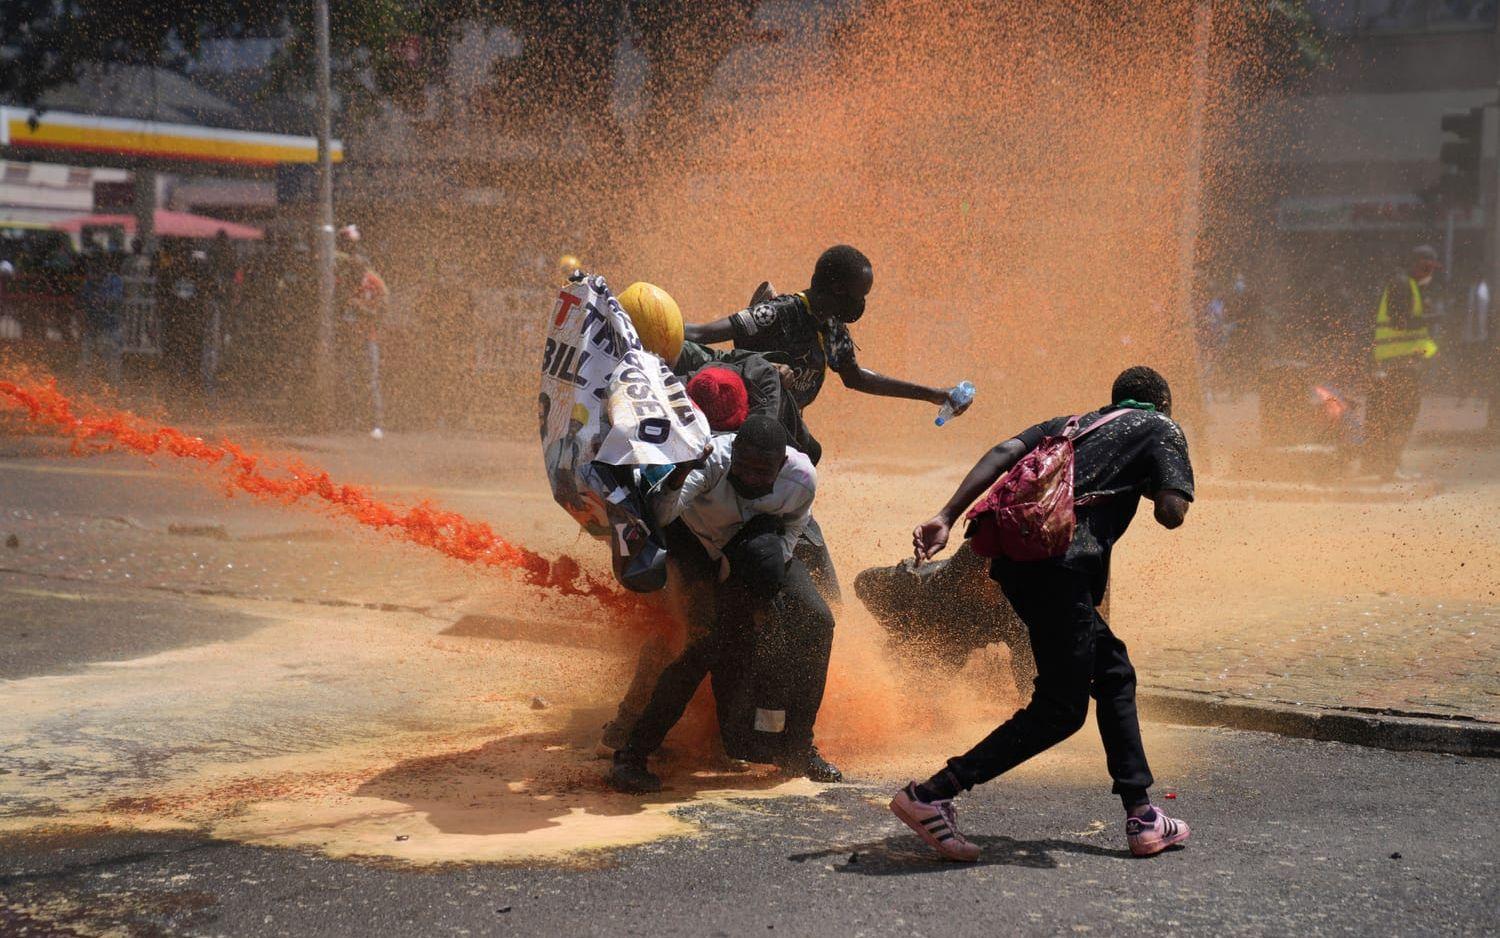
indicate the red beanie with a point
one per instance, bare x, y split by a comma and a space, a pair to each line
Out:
721, 395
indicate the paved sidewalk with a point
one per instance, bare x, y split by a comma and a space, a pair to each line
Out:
1376, 653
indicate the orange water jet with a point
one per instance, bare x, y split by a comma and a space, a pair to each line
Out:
92, 428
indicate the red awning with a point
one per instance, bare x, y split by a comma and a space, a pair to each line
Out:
168, 225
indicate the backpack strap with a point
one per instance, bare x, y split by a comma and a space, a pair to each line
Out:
1072, 432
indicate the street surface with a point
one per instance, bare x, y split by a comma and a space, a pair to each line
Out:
1290, 837
231, 718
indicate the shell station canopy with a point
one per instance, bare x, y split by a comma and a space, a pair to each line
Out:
83, 138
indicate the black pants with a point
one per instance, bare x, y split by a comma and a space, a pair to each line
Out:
812, 550
768, 651
1077, 656
1391, 413
692, 582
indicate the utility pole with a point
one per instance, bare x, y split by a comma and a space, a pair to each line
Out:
143, 196
323, 379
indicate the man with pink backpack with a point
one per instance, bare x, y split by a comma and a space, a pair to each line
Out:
1063, 492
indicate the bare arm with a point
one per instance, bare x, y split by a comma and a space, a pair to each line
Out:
707, 333
864, 380
930, 538
1171, 508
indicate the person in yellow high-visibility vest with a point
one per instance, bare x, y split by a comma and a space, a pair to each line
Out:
1403, 343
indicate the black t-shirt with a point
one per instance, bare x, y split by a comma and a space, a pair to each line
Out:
1139, 453
785, 331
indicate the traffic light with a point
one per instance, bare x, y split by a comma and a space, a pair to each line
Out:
1459, 185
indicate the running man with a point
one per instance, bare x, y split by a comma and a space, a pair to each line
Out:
1140, 452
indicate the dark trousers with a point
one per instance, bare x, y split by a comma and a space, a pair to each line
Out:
768, 651
691, 598
812, 550
1077, 656
1391, 413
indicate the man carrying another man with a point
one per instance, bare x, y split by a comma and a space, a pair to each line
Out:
734, 521
728, 386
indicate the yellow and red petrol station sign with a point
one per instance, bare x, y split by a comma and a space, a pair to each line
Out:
62, 132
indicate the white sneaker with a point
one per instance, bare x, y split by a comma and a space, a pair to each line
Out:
377, 434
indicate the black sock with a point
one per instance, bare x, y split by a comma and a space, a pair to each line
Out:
940, 787
1132, 800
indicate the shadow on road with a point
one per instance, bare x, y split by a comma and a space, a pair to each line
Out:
542, 632
904, 854
530, 781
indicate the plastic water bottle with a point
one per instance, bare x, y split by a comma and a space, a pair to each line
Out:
958, 397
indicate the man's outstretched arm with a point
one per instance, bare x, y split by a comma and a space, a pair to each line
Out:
857, 378
930, 538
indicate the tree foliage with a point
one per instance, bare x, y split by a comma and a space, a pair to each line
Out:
390, 49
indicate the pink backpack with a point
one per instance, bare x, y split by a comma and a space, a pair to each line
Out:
1029, 514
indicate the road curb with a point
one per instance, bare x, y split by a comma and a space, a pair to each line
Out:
1387, 730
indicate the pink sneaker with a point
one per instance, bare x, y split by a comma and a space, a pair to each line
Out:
1154, 833
936, 823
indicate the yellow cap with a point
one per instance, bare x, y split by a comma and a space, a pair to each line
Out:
580, 413
567, 264
656, 317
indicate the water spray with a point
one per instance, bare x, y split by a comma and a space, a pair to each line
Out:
92, 428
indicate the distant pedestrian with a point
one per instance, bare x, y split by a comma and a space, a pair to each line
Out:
1244, 325
1403, 344
362, 300
180, 286
1478, 359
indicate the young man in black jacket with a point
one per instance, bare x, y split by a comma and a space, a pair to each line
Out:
1141, 452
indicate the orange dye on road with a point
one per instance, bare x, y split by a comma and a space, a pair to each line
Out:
289, 481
